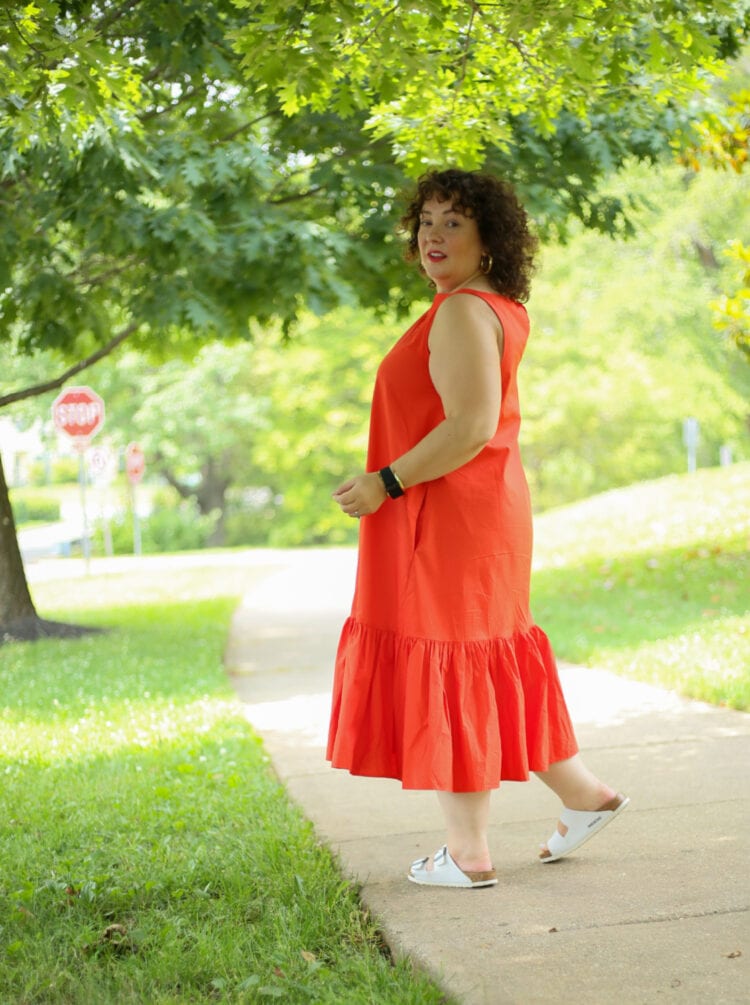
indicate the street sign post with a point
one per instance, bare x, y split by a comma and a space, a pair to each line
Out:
79, 413
690, 436
102, 468
135, 466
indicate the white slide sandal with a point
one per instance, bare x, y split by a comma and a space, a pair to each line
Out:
445, 872
581, 825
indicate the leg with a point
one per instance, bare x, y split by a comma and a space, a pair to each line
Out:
467, 818
576, 786
580, 790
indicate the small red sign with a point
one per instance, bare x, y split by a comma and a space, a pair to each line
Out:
135, 462
79, 412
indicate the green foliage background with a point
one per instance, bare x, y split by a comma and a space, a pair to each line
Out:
622, 350
623, 347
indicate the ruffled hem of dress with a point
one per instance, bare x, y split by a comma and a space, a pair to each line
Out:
450, 716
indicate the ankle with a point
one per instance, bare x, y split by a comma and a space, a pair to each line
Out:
590, 797
471, 857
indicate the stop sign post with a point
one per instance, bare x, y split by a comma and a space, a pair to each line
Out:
79, 413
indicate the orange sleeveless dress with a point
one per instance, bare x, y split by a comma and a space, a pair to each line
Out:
442, 679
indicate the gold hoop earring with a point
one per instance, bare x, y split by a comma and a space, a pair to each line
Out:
485, 263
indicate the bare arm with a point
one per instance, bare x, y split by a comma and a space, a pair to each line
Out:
465, 345
465, 349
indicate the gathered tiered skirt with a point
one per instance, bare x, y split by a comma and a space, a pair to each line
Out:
457, 717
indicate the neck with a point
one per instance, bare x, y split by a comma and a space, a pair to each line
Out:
465, 282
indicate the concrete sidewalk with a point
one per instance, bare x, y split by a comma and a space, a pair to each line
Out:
655, 909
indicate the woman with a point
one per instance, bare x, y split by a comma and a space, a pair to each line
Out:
442, 678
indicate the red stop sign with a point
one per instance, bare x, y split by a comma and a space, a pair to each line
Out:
79, 412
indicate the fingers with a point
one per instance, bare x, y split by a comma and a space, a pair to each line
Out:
344, 487
359, 496
354, 508
348, 500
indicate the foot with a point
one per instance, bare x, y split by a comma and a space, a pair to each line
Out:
576, 826
442, 870
467, 862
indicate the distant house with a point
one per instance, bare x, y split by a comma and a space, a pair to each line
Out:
19, 449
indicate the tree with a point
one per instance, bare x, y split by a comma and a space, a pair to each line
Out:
170, 170
171, 219
732, 310
197, 425
722, 141
621, 351
555, 95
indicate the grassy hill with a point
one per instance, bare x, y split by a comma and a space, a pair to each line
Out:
653, 581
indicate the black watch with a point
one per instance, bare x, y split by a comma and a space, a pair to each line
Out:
393, 486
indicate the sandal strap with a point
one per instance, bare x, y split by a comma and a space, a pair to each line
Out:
446, 872
582, 824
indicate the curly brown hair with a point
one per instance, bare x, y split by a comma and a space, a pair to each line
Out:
502, 221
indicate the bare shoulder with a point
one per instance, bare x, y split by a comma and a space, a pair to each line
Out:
465, 313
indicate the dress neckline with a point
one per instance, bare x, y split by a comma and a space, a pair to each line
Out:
468, 289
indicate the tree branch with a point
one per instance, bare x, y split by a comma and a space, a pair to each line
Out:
52, 385
228, 137
375, 28
296, 196
337, 155
185, 96
114, 15
166, 472
91, 280
465, 55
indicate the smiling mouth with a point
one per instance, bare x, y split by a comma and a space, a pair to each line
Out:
435, 256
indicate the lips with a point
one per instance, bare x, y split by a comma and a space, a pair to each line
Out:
435, 256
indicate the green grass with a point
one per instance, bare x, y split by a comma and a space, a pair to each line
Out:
148, 853
653, 582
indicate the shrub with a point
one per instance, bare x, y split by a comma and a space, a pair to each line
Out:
64, 470
29, 506
172, 528
182, 528
250, 517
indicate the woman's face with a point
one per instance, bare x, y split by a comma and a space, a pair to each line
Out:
449, 244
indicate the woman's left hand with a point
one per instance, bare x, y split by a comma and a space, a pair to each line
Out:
361, 495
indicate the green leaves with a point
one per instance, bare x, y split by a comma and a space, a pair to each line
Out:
59, 76
442, 79
731, 311
187, 167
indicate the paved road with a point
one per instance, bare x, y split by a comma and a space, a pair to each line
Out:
655, 909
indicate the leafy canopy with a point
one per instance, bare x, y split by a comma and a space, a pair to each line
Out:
171, 170
182, 210
446, 79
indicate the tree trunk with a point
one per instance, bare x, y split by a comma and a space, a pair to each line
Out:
15, 600
18, 618
211, 496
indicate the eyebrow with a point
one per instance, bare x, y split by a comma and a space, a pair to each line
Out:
451, 209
